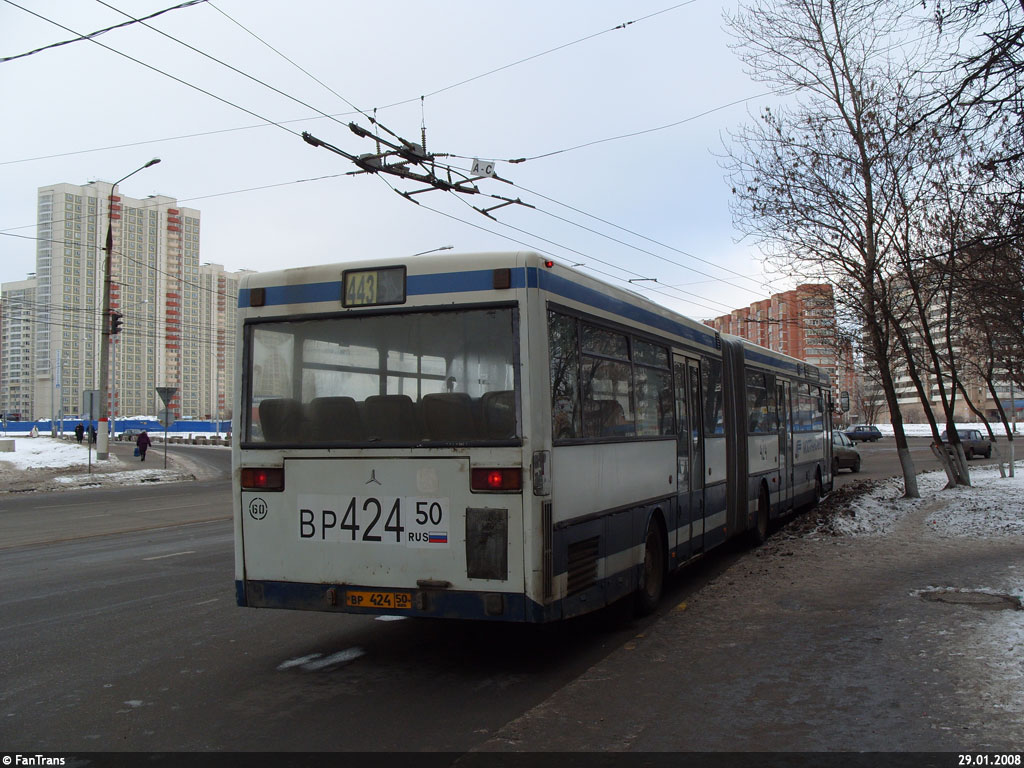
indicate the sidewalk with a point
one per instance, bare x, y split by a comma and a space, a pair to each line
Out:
891, 640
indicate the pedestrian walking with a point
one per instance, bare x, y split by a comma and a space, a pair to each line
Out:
142, 442
79, 433
92, 434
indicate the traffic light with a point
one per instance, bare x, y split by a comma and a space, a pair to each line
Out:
115, 322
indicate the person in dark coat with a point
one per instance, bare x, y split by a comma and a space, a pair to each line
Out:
79, 433
92, 434
143, 442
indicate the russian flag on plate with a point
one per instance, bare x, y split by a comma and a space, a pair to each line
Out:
437, 538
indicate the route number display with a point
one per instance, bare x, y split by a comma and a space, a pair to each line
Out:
373, 287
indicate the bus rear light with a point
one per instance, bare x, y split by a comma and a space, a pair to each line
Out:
504, 479
262, 479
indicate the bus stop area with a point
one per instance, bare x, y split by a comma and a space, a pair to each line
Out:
901, 631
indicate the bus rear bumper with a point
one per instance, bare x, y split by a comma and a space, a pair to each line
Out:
426, 603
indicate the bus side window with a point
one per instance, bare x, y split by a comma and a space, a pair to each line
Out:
563, 346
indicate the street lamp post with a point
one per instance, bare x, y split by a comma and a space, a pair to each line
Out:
102, 437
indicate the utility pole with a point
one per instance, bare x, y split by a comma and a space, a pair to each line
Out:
102, 438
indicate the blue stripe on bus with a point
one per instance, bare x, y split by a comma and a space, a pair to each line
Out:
570, 290
758, 357
483, 280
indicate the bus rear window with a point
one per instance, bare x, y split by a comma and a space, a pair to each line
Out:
409, 378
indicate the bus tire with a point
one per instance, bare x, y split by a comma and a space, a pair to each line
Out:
819, 492
652, 576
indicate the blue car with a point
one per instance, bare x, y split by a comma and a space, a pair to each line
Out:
863, 432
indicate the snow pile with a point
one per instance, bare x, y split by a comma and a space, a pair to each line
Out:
45, 452
992, 507
37, 464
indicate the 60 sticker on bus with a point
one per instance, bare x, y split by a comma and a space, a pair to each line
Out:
410, 521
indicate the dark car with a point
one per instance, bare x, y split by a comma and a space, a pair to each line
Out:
974, 443
130, 435
864, 432
844, 454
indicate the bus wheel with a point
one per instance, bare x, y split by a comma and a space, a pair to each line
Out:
819, 494
652, 579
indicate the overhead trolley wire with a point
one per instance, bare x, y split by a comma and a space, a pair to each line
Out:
446, 88
99, 32
340, 114
158, 70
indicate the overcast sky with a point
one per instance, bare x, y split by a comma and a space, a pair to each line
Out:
81, 112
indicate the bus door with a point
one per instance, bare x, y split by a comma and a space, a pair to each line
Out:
783, 392
690, 459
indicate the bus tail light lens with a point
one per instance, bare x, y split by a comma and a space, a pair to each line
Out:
262, 479
504, 479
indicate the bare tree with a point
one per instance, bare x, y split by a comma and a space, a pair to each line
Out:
815, 181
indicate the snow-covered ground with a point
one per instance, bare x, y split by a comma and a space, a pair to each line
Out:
993, 506
923, 430
45, 458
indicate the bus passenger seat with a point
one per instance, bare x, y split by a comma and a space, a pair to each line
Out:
281, 420
391, 417
334, 420
448, 416
499, 414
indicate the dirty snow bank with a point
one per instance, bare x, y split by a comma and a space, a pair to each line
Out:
992, 507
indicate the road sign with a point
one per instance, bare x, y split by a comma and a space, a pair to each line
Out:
166, 393
90, 403
166, 417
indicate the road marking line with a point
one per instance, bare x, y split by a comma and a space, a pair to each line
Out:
176, 554
207, 602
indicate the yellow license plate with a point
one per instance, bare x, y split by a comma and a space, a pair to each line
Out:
397, 600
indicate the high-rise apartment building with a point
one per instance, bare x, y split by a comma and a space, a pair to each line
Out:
800, 323
177, 315
17, 310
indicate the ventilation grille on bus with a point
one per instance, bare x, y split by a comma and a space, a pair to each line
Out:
546, 564
582, 565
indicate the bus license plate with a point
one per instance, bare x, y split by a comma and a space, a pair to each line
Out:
397, 600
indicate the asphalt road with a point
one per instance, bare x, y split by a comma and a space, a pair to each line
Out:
881, 461
132, 641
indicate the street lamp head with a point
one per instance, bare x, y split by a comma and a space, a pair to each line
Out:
154, 161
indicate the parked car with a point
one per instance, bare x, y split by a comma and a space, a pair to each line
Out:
844, 454
130, 435
974, 443
864, 432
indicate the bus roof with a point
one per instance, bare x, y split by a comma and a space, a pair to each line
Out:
319, 288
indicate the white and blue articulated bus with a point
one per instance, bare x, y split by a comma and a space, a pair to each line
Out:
496, 436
